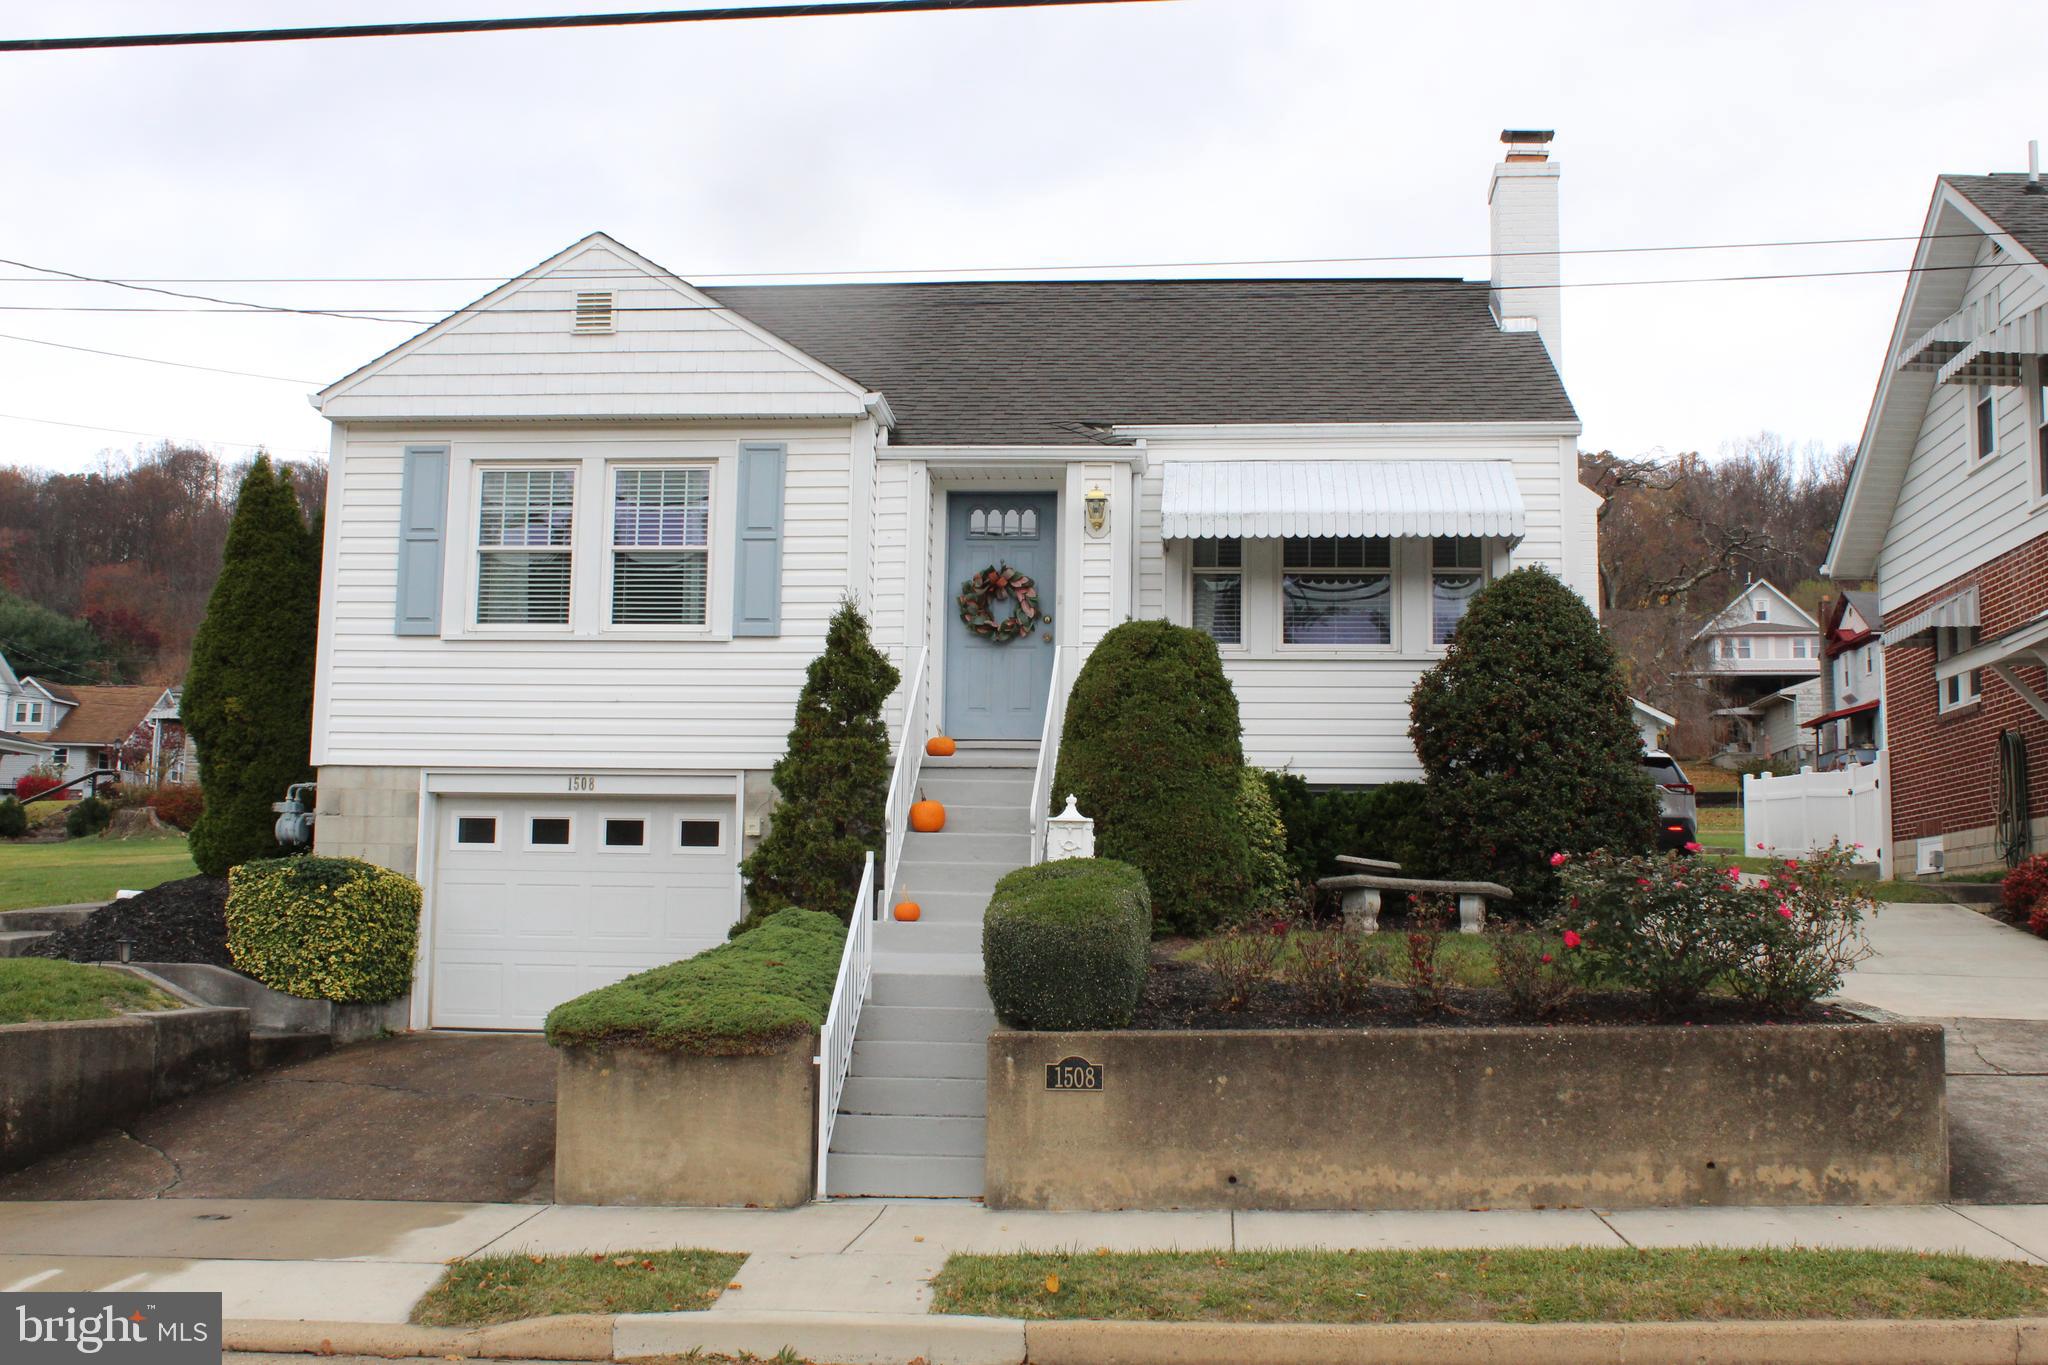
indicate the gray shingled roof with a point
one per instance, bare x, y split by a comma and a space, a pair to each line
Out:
1050, 363
2005, 201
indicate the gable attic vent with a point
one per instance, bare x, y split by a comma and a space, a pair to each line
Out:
594, 312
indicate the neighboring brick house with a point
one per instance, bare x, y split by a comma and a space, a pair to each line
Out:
1947, 509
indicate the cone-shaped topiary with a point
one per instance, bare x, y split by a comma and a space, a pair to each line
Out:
248, 700
1527, 744
1152, 749
833, 780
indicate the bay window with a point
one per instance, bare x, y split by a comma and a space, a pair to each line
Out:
1336, 590
1218, 591
661, 546
525, 525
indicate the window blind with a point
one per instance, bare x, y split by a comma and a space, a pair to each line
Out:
524, 523
661, 539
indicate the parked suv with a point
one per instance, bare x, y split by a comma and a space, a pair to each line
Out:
1678, 814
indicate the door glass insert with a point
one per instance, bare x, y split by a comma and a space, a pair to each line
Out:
1002, 523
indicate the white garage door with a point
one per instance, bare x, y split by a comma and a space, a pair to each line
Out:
539, 900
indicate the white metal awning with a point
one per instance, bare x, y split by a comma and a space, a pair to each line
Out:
2023, 646
1950, 612
2001, 354
1265, 499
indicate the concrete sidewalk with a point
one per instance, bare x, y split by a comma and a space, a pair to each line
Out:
1950, 962
337, 1261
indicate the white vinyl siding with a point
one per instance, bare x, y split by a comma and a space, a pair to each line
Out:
1954, 511
661, 546
589, 696
525, 531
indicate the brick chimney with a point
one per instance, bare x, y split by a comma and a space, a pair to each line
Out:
1522, 211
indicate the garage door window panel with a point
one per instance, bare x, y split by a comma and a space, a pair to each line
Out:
625, 834
699, 836
551, 833
476, 831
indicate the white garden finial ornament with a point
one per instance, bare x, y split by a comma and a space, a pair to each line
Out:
1069, 834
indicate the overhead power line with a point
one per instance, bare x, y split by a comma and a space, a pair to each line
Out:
153, 360
599, 275
161, 436
444, 27
412, 317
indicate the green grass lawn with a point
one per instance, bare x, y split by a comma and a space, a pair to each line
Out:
43, 990
89, 869
1587, 1285
489, 1289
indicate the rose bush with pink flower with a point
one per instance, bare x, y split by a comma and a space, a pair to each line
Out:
1647, 923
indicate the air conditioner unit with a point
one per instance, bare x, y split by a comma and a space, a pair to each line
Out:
1930, 859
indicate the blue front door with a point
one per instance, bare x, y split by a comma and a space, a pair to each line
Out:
996, 689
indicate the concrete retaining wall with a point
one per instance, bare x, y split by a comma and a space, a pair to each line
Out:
62, 1082
1459, 1118
635, 1126
274, 1010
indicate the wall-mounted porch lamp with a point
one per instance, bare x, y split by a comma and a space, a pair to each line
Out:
1096, 510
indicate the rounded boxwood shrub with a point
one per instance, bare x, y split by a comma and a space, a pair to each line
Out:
13, 819
88, 816
1265, 840
1152, 749
1065, 945
770, 985
324, 928
1527, 742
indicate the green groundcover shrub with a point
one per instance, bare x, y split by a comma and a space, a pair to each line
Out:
1152, 749
754, 994
13, 819
1265, 838
324, 928
1065, 945
87, 817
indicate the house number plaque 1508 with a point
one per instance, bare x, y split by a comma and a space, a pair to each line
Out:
1073, 1073
579, 782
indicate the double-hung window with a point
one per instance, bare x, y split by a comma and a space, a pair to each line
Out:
1964, 688
661, 546
1219, 589
1457, 570
1336, 590
525, 526
28, 713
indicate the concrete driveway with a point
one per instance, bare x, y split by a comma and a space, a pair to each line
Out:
427, 1116
1988, 983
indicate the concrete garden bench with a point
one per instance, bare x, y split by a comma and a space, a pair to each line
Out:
1362, 891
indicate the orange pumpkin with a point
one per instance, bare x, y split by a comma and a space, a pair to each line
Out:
908, 911
940, 746
927, 817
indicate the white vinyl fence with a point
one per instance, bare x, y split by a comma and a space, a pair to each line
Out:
1791, 816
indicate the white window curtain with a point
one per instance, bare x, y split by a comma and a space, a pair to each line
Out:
1457, 572
1219, 589
525, 522
661, 543
1336, 590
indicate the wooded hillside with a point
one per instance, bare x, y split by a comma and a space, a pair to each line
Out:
104, 576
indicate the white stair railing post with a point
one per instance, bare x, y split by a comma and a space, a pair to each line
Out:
842, 1018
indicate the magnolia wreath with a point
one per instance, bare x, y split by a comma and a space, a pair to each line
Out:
999, 583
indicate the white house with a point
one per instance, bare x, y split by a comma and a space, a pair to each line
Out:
1850, 727
1761, 635
584, 535
132, 733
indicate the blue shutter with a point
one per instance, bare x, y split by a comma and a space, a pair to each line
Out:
757, 568
422, 527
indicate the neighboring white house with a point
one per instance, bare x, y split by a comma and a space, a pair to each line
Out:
1850, 728
1761, 635
584, 536
131, 732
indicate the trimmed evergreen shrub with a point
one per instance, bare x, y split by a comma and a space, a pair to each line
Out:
1527, 743
324, 928
1386, 822
1265, 839
1152, 748
13, 819
833, 780
768, 986
87, 817
248, 699
1065, 945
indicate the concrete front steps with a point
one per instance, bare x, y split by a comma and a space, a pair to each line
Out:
912, 1118
19, 928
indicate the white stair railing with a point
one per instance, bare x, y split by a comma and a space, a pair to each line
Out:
842, 1020
1048, 753
903, 780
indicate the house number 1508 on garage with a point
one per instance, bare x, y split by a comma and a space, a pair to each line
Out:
581, 782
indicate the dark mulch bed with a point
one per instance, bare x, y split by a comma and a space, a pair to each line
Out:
180, 921
1183, 995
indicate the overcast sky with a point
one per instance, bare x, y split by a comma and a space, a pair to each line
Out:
1186, 131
